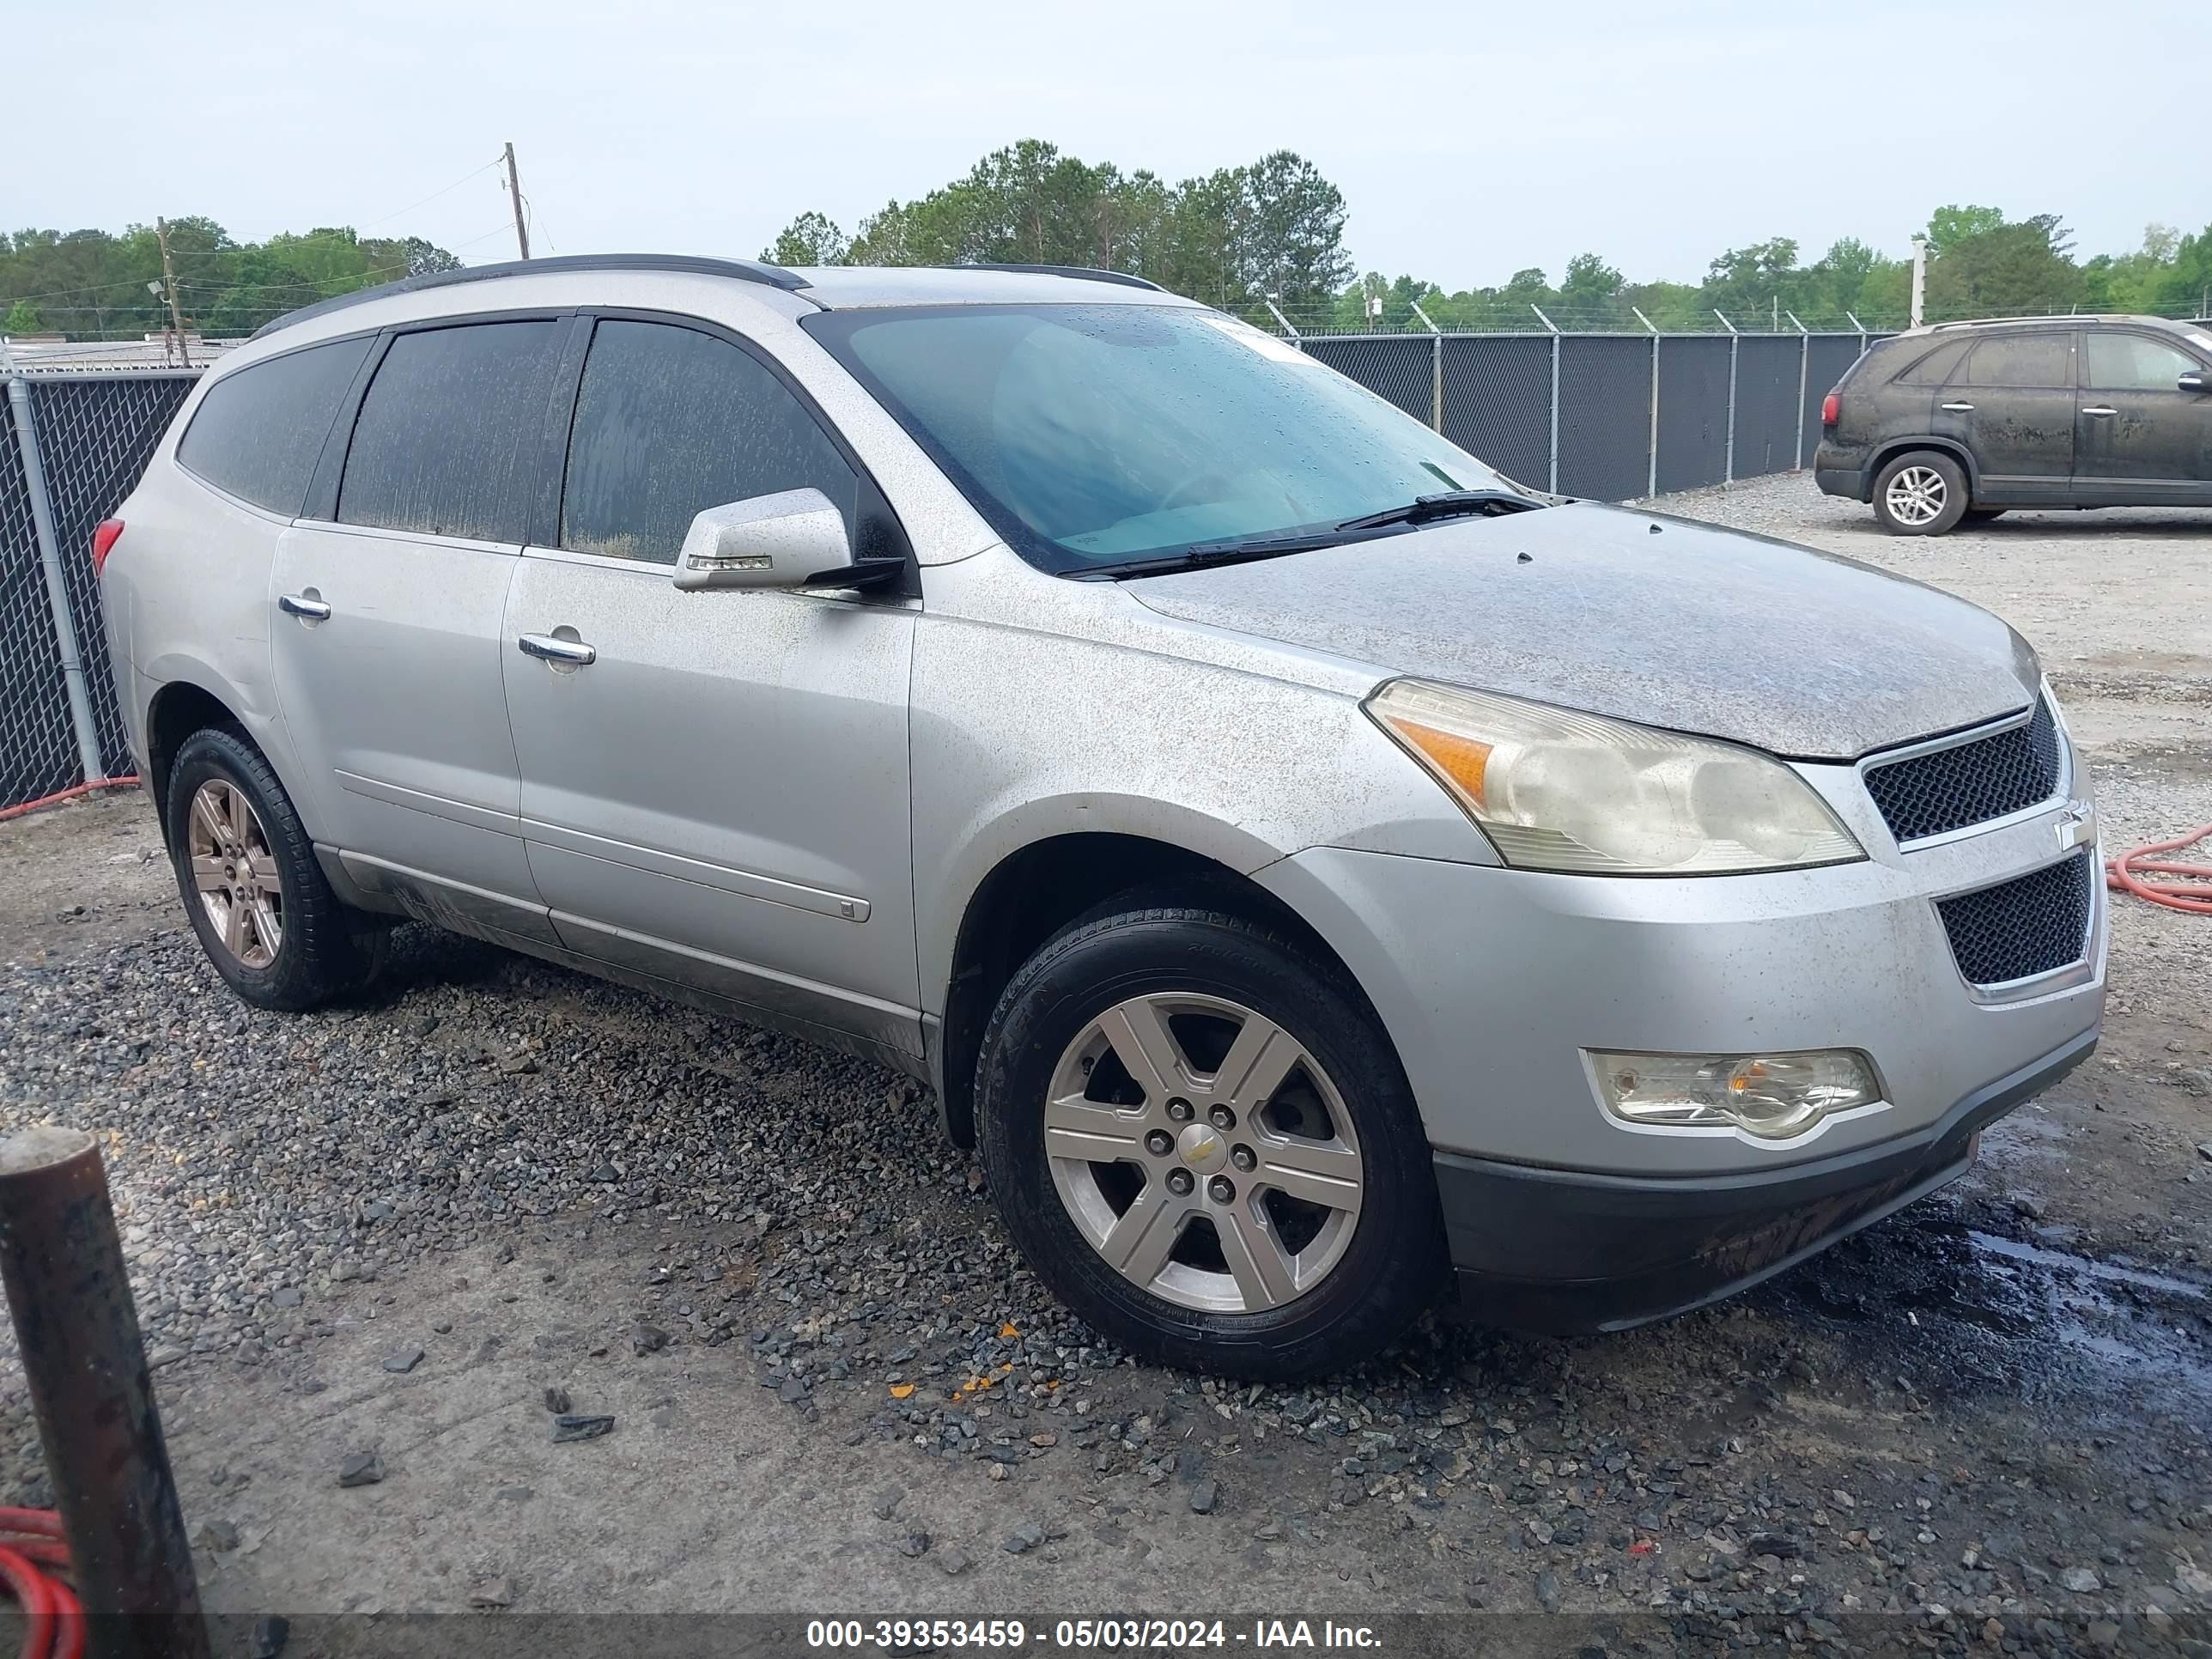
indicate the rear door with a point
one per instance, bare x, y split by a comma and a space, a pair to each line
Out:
2010, 404
386, 639
719, 795
2141, 438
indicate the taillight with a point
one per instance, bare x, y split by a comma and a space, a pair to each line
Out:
1832, 409
104, 537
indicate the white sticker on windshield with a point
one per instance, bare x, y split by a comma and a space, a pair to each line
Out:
1260, 340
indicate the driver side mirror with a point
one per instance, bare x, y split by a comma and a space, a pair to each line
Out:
793, 539
2192, 379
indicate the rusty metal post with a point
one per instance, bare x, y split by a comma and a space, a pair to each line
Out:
78, 1332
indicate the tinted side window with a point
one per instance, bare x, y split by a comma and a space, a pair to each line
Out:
259, 431
448, 434
2129, 362
2020, 360
670, 421
1936, 368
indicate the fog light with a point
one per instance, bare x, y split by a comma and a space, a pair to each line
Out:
1773, 1096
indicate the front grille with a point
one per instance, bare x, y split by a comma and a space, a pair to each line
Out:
2018, 928
1969, 782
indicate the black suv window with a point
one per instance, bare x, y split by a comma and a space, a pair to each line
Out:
2130, 362
448, 431
1936, 368
2019, 360
259, 430
670, 421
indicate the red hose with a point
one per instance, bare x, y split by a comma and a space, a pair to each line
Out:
53, 1623
23, 807
2192, 894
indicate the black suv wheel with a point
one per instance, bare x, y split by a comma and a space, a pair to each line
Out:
1920, 493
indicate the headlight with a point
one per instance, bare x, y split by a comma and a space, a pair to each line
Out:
1580, 793
1773, 1096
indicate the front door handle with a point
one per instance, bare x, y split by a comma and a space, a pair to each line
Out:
2099, 410
304, 607
570, 653
1960, 409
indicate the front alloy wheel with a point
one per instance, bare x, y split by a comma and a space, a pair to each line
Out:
1203, 1142
1203, 1153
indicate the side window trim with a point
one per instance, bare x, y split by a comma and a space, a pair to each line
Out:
872, 502
322, 502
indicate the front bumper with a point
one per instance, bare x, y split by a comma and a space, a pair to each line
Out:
1554, 1251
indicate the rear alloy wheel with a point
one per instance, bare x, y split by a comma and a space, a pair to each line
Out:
246, 865
1920, 494
1205, 1146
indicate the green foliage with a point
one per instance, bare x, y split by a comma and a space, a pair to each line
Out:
22, 319
1231, 237
93, 284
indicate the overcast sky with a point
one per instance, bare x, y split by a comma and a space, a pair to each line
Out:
1468, 141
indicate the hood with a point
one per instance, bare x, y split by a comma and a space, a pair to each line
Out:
1639, 616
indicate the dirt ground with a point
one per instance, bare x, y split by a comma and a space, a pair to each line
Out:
1984, 1425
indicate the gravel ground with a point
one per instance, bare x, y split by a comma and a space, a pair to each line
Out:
389, 1229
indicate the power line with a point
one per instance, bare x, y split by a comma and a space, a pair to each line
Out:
435, 194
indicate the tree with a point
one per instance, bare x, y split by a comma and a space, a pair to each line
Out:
1290, 235
22, 319
2007, 268
812, 239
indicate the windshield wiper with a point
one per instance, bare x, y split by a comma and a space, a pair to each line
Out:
1236, 550
1451, 504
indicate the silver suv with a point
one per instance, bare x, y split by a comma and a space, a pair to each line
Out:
1303, 861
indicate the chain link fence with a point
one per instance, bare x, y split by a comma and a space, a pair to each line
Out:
72, 446
1613, 416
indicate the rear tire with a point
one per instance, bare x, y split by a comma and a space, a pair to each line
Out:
246, 866
1288, 1223
1920, 493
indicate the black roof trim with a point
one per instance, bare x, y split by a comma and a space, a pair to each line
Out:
743, 270
1120, 279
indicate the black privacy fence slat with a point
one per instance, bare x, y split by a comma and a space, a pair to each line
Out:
1492, 394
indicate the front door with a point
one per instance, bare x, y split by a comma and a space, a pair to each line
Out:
2010, 403
714, 784
2141, 436
387, 643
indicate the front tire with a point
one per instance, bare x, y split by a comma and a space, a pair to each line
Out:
1202, 1141
1920, 493
246, 865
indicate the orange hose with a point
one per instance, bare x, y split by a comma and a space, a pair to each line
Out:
53, 1622
23, 807
2192, 894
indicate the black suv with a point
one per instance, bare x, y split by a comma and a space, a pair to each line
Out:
1958, 421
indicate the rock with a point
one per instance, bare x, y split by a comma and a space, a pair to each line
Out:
604, 1173
914, 1544
2192, 1580
567, 1427
792, 1391
361, 1469
270, 1636
493, 1593
400, 1361
163, 1354
1023, 1539
2204, 1151
647, 1339
887, 1501
1779, 1545
218, 1536
1547, 1591
515, 1494
955, 1561
287, 1297
557, 1401
2080, 1580
1204, 1495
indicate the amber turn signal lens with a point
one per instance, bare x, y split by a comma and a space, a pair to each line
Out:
1462, 760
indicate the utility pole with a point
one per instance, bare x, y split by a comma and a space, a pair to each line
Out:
1919, 277
514, 194
169, 288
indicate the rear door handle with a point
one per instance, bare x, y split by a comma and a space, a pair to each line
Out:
2099, 410
572, 654
1960, 409
300, 605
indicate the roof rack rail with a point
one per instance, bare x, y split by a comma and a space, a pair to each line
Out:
743, 270
1087, 273
2050, 317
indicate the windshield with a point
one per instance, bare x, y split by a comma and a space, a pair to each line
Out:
1094, 435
